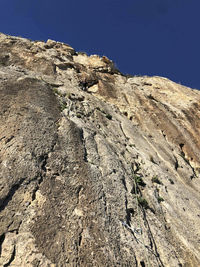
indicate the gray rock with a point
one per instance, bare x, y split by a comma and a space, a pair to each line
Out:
96, 168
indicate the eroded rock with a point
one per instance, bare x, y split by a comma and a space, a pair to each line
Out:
96, 168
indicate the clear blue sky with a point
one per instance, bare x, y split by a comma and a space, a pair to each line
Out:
143, 37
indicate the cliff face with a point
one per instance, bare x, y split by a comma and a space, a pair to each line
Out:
96, 168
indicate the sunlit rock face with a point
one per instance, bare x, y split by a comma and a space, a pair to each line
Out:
96, 168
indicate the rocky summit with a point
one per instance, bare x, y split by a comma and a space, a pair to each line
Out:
97, 168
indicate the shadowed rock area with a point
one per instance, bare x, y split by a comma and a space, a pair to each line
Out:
96, 168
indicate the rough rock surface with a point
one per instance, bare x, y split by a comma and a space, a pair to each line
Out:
96, 168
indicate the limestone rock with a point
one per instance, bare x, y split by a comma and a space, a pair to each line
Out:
96, 168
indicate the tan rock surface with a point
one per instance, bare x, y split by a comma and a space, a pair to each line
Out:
96, 168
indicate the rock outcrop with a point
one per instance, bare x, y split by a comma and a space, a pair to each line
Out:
96, 168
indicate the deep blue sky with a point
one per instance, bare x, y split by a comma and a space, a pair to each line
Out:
143, 37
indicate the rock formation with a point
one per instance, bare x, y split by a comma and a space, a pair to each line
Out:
96, 168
